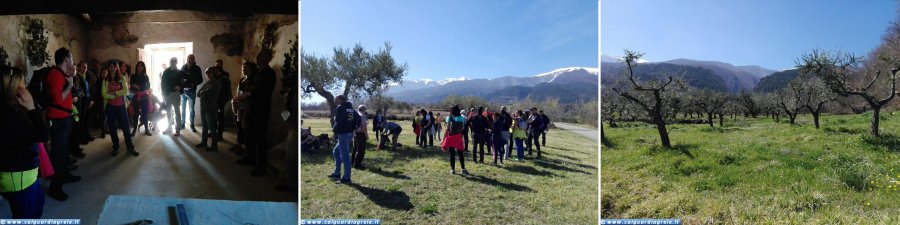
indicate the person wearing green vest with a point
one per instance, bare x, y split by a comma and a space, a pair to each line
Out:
21, 128
115, 90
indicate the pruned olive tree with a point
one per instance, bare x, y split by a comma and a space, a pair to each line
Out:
710, 102
836, 70
648, 94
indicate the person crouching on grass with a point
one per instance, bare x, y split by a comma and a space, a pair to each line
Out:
390, 129
497, 137
21, 128
453, 140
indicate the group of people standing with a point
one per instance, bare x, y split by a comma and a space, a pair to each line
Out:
494, 130
60, 103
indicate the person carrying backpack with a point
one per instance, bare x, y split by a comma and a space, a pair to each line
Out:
453, 141
55, 94
345, 122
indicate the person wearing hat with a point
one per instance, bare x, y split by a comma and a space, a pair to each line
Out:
360, 135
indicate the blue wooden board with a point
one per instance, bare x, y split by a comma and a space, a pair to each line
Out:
121, 209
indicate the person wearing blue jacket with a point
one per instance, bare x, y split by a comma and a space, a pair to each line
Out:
345, 122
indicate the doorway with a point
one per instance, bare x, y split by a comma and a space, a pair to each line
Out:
157, 57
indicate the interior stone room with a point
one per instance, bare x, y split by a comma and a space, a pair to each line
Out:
168, 167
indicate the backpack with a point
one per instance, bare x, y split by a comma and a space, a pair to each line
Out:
455, 127
39, 90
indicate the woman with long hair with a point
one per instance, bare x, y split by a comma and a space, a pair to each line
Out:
21, 128
453, 142
140, 83
115, 102
518, 133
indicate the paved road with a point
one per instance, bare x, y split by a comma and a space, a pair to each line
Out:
587, 132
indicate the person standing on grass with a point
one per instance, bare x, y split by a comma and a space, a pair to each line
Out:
438, 121
537, 125
469, 127
546, 127
479, 134
424, 126
359, 139
209, 97
498, 137
507, 124
345, 122
21, 128
377, 124
417, 127
432, 124
453, 142
518, 134
490, 142
465, 131
528, 136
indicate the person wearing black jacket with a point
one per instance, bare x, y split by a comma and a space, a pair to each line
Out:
479, 125
537, 126
171, 84
506, 119
258, 115
21, 128
424, 127
224, 96
345, 122
546, 127
378, 124
140, 83
193, 76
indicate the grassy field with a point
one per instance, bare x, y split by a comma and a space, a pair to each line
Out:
755, 171
414, 186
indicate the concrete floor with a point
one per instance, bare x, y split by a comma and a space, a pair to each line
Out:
168, 166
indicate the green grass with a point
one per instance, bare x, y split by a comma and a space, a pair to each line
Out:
755, 171
414, 186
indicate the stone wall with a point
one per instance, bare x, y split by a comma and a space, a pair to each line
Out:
61, 31
233, 39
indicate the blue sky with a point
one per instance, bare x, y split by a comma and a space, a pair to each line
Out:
449, 39
769, 33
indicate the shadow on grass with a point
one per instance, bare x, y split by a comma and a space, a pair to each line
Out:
496, 183
398, 200
606, 142
561, 156
889, 141
395, 174
557, 165
529, 170
843, 130
679, 148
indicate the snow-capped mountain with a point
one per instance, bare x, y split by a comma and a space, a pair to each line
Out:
426, 90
